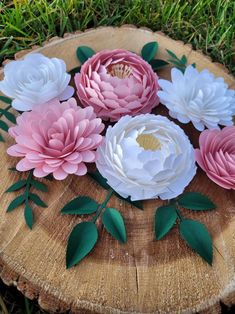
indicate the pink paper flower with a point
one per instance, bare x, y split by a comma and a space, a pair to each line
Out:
216, 155
57, 138
117, 83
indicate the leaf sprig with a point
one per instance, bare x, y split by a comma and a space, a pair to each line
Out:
84, 235
181, 63
193, 232
149, 52
27, 196
8, 115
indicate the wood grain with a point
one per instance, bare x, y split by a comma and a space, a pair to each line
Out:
143, 276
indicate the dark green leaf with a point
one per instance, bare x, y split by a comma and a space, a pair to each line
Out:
16, 202
198, 238
149, 51
6, 100
172, 54
184, 60
84, 53
99, 179
39, 186
165, 219
8, 115
1, 138
4, 126
193, 65
157, 64
28, 215
75, 70
196, 201
16, 186
114, 224
37, 200
81, 241
80, 205
177, 64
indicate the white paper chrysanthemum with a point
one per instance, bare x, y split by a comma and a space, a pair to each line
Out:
35, 80
146, 157
198, 97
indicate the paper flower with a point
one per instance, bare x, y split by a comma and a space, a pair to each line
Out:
216, 155
56, 138
198, 97
117, 83
146, 157
35, 80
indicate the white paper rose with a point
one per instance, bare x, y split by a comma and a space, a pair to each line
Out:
146, 157
199, 97
35, 80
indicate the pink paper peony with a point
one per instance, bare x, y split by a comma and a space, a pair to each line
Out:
57, 138
117, 83
216, 155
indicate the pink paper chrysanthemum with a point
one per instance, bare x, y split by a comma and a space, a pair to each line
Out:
57, 138
117, 83
216, 155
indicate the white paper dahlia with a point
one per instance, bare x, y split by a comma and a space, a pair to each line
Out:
35, 80
198, 97
146, 157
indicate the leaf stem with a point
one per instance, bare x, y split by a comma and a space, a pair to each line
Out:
103, 205
28, 185
179, 214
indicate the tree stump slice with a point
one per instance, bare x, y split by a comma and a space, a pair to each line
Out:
143, 276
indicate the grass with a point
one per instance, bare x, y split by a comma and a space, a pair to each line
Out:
206, 24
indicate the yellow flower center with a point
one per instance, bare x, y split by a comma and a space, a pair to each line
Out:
120, 70
148, 142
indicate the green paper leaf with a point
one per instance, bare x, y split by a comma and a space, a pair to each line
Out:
4, 126
16, 202
196, 201
158, 64
6, 99
1, 138
49, 177
114, 224
28, 215
184, 60
84, 53
165, 219
149, 51
37, 200
39, 185
13, 169
172, 54
17, 186
193, 65
177, 64
80, 206
75, 70
81, 241
198, 238
8, 115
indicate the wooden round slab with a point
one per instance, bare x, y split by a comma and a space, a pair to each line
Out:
143, 276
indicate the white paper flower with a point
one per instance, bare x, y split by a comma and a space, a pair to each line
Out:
35, 80
199, 97
146, 157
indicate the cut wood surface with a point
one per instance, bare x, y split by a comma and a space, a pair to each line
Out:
142, 276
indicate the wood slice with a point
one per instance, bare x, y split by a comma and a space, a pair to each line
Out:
143, 276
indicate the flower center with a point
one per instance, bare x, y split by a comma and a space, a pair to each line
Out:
120, 70
148, 142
